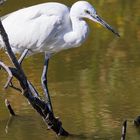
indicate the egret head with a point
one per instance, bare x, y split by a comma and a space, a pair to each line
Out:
83, 9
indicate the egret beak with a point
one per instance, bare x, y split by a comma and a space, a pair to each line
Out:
103, 23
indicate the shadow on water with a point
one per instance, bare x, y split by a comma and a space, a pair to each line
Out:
9, 123
12, 124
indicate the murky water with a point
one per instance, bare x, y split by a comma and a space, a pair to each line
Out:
94, 88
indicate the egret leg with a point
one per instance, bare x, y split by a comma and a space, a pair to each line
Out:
23, 55
44, 81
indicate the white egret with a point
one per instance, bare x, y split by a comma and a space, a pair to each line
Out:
50, 28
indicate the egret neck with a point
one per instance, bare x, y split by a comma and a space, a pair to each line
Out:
79, 32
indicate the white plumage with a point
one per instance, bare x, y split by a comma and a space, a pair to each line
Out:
49, 27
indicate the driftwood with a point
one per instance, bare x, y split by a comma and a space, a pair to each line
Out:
28, 90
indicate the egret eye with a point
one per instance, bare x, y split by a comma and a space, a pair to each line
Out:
88, 12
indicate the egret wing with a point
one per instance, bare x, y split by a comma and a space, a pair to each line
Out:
35, 26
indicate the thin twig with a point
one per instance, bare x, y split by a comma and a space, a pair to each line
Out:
124, 130
14, 87
9, 107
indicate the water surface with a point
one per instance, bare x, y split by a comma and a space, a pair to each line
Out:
94, 88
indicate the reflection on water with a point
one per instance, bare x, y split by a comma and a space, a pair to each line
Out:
93, 88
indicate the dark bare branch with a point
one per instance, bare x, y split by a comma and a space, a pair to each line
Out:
29, 90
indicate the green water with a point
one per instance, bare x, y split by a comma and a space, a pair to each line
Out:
94, 88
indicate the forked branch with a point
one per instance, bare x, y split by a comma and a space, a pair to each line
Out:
29, 90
